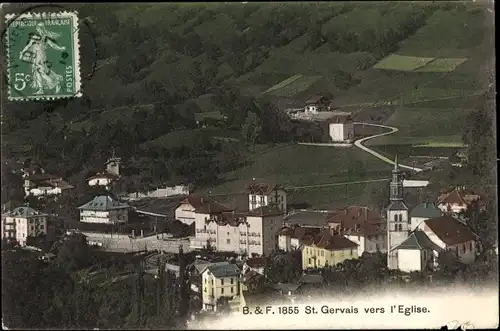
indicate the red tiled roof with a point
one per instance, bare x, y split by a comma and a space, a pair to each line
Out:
457, 196
356, 218
450, 230
332, 242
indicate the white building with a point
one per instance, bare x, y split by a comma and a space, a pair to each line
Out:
271, 195
423, 212
219, 280
451, 234
104, 210
252, 232
341, 127
316, 104
398, 227
49, 187
456, 201
110, 175
291, 238
23, 222
40, 184
417, 253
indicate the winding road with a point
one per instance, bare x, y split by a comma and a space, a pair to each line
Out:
359, 143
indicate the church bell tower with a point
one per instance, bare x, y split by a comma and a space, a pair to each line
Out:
398, 225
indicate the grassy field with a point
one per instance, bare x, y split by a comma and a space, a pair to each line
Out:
402, 63
297, 165
441, 65
425, 126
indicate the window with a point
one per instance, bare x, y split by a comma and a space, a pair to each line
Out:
322, 253
222, 282
205, 280
232, 289
212, 292
222, 291
401, 217
400, 227
309, 261
464, 249
232, 281
205, 228
228, 241
253, 199
228, 233
262, 200
470, 246
205, 290
212, 282
350, 251
395, 218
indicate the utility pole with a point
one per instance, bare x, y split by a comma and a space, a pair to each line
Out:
140, 292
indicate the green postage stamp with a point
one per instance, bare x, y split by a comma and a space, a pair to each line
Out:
43, 56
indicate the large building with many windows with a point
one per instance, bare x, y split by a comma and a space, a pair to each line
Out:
23, 222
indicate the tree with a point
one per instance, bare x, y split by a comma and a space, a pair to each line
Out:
251, 129
73, 253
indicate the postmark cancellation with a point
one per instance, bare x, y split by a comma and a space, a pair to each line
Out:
43, 58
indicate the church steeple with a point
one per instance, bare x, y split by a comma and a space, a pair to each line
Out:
396, 183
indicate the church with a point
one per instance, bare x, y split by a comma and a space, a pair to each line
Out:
416, 247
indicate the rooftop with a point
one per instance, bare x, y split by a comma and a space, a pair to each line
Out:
331, 242
24, 212
262, 188
426, 210
103, 203
306, 217
223, 269
205, 204
418, 240
450, 230
457, 196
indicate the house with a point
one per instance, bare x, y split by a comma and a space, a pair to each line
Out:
360, 225
458, 159
293, 237
456, 201
104, 209
327, 250
417, 253
271, 195
423, 212
316, 104
187, 208
219, 280
256, 264
250, 232
450, 234
38, 183
23, 222
107, 177
341, 127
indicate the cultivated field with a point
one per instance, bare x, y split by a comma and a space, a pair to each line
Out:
402, 63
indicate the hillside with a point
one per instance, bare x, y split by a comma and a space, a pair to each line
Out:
157, 67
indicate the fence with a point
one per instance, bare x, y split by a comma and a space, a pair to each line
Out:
126, 244
159, 193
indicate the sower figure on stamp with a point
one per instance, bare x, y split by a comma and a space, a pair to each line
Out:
35, 53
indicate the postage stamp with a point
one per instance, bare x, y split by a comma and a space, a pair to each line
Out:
43, 59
